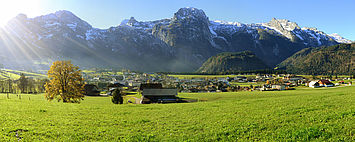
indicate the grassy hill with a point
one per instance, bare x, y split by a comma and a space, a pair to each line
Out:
232, 62
15, 74
337, 59
304, 114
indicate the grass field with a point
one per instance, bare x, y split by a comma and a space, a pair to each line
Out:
324, 114
15, 74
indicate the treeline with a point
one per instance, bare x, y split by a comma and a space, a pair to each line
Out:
22, 85
264, 71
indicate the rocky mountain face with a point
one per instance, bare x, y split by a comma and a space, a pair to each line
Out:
36, 42
180, 44
232, 62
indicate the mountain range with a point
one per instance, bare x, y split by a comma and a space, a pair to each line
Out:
178, 44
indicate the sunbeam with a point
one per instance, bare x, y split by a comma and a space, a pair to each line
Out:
11, 8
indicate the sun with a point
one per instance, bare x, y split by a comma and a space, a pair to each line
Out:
10, 8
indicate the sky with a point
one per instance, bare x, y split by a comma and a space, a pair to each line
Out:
330, 16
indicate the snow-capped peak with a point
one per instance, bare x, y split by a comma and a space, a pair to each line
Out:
61, 13
64, 16
19, 17
189, 12
283, 24
124, 22
219, 22
339, 38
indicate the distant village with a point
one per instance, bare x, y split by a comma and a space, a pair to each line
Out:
233, 83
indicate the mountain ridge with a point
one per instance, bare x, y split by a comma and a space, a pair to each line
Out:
181, 43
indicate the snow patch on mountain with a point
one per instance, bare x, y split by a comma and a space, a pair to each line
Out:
72, 26
228, 27
49, 36
300, 37
51, 24
271, 28
80, 36
124, 22
212, 32
339, 38
95, 33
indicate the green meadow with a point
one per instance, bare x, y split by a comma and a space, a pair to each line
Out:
304, 114
15, 74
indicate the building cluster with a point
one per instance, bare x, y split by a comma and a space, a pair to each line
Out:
266, 82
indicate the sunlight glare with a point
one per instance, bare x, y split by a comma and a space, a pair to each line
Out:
11, 8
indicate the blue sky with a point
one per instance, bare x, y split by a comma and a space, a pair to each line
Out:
326, 15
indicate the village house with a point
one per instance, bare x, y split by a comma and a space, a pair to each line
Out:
278, 87
313, 84
320, 83
325, 83
292, 77
275, 87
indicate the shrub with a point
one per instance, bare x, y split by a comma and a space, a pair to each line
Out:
117, 97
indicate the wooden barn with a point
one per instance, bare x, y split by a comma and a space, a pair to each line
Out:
159, 96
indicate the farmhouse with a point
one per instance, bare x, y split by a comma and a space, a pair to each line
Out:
325, 83
313, 84
275, 87
278, 87
159, 96
321, 83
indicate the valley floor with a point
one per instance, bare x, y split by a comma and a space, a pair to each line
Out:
299, 115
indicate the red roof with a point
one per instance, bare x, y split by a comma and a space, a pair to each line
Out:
323, 81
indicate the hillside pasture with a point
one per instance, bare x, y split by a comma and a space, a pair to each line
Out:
15, 74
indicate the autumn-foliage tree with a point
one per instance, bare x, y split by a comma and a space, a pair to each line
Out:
65, 83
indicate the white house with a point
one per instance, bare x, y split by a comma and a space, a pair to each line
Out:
313, 84
278, 87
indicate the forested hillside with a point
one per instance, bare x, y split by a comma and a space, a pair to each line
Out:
232, 62
337, 59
